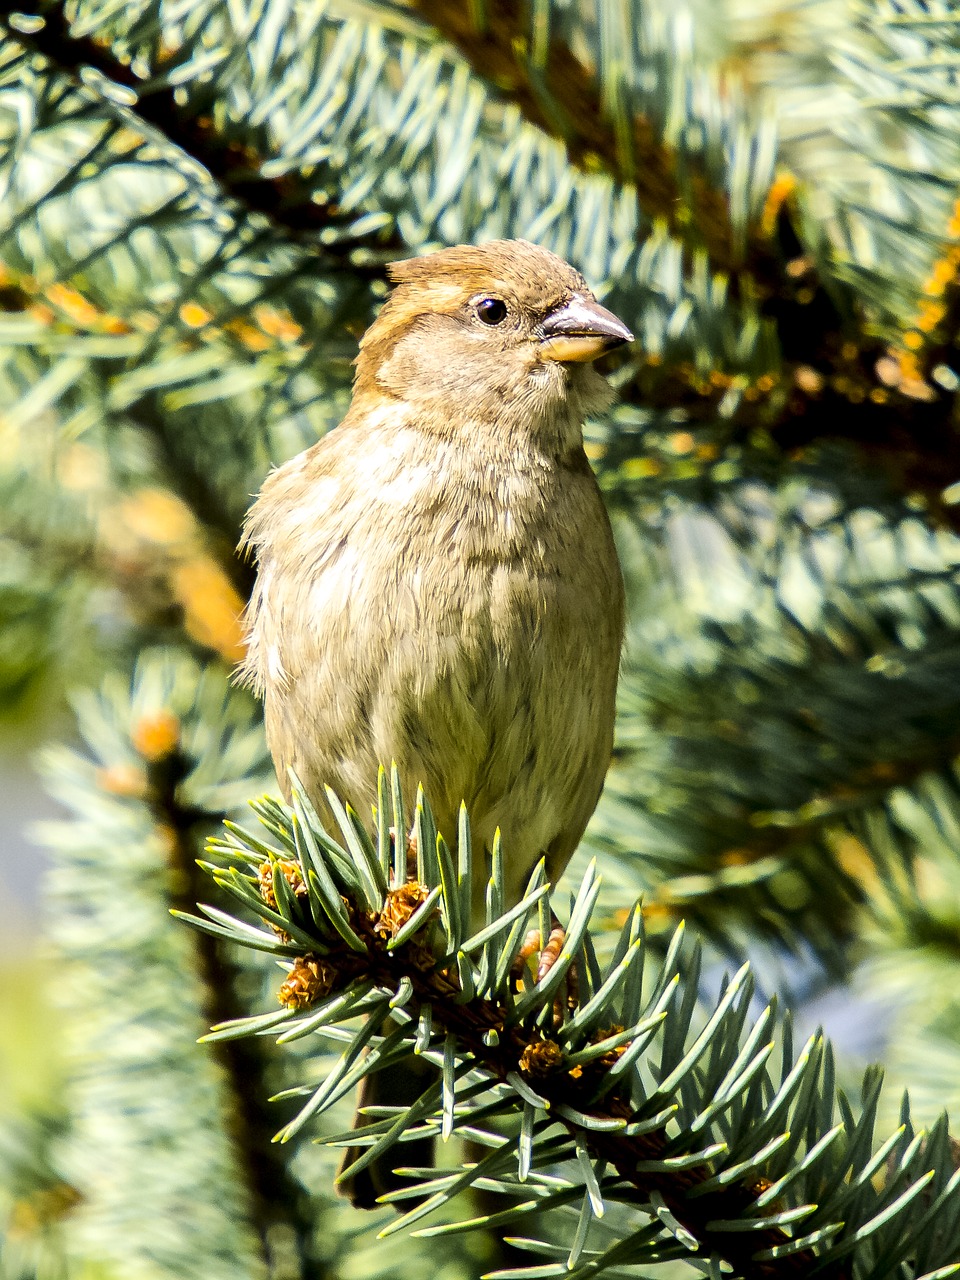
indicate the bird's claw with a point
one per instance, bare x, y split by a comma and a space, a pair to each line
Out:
550, 954
411, 851
547, 957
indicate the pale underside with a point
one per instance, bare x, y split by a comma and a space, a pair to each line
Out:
420, 602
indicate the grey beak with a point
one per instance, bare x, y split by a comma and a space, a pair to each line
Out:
585, 318
580, 331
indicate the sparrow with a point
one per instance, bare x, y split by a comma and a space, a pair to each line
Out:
437, 582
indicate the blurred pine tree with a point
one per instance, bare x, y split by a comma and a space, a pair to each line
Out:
199, 199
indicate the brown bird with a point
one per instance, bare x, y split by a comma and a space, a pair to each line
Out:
438, 584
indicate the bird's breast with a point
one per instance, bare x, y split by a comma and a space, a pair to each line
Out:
459, 614
448, 539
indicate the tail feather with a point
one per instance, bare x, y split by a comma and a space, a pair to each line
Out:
400, 1086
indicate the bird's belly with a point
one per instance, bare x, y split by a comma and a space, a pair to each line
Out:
492, 685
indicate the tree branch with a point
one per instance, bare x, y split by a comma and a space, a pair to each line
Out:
287, 201
275, 1195
783, 421
499, 51
507, 1049
833, 387
837, 382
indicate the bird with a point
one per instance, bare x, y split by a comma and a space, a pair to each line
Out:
437, 580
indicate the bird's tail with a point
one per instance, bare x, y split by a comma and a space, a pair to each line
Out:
400, 1086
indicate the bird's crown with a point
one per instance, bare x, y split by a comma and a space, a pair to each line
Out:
529, 272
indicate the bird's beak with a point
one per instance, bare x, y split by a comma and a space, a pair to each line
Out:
581, 330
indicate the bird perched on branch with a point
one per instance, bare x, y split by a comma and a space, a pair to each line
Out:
438, 584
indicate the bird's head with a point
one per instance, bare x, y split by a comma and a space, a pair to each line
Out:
502, 333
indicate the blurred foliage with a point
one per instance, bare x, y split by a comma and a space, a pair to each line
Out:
198, 201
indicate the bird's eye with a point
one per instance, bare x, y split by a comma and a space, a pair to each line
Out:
491, 310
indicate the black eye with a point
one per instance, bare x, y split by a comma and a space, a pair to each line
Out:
491, 310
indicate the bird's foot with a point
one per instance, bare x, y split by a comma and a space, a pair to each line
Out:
550, 954
411, 852
547, 957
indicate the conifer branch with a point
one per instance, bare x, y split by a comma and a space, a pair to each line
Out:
50, 306
564, 100
833, 386
567, 103
850, 398
357, 948
837, 381
236, 166
540, 1063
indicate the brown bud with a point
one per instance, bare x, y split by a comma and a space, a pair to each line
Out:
308, 981
290, 871
607, 1059
541, 1058
399, 907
